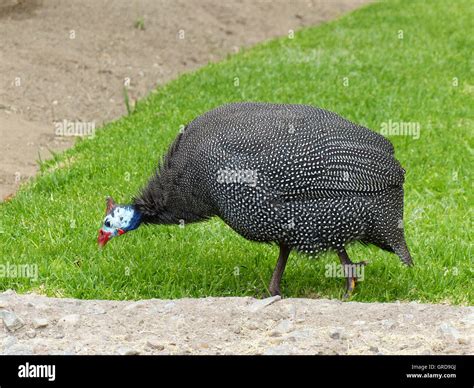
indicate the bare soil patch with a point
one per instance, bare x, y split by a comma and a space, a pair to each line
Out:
69, 60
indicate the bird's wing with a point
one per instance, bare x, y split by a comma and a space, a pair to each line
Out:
338, 165
302, 152
329, 164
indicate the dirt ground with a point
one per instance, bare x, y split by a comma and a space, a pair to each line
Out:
69, 60
35, 324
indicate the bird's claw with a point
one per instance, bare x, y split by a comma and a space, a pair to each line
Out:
350, 285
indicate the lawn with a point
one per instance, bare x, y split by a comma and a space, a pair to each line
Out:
395, 62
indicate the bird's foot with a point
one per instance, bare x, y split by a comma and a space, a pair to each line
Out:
274, 290
353, 272
350, 286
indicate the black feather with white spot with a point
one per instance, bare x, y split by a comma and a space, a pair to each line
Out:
291, 174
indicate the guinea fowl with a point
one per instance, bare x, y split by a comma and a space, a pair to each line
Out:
295, 175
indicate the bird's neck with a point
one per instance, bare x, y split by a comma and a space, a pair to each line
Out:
136, 220
153, 211
168, 200
160, 207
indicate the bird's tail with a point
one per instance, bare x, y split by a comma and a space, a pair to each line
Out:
402, 251
388, 231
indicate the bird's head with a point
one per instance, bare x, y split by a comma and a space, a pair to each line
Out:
119, 219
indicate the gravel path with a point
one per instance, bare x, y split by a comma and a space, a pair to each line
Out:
34, 324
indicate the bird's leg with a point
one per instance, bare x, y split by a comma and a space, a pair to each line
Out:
349, 271
274, 287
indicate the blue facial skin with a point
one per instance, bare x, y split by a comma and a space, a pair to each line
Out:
125, 218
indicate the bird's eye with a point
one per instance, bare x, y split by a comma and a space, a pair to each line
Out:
107, 224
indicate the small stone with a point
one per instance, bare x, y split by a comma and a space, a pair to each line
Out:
40, 322
449, 331
453, 333
71, 351
389, 324
277, 350
135, 305
95, 310
252, 326
291, 310
31, 333
463, 341
154, 344
11, 321
276, 341
41, 349
262, 303
337, 333
374, 349
9, 341
468, 319
302, 334
169, 306
20, 349
125, 351
284, 326
70, 320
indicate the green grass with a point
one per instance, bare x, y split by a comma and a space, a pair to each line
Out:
53, 221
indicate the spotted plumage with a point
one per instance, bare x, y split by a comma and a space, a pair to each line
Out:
302, 177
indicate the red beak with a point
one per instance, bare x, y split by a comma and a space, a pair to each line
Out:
103, 238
